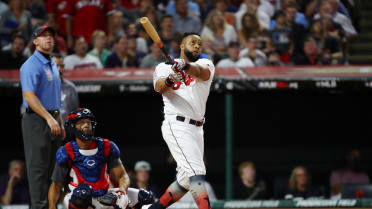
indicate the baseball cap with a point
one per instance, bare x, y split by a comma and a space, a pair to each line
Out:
41, 29
142, 165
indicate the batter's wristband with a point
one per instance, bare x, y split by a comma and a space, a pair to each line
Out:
169, 82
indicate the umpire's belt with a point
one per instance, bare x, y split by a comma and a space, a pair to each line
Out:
52, 112
192, 121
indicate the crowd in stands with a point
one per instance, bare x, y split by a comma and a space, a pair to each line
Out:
245, 33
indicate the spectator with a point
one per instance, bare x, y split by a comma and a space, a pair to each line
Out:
300, 186
253, 6
191, 6
15, 18
298, 17
55, 10
185, 22
99, 44
87, 17
345, 22
166, 30
249, 187
312, 55
14, 58
174, 49
282, 38
134, 50
298, 29
142, 178
257, 56
3, 7
251, 27
329, 46
81, 60
69, 99
333, 29
228, 10
311, 6
154, 58
132, 31
120, 57
130, 4
217, 34
134, 15
14, 186
38, 12
273, 59
117, 27
233, 60
350, 173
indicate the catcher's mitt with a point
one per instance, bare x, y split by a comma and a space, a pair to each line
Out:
115, 199
109, 199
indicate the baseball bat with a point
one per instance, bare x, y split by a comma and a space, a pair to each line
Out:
155, 37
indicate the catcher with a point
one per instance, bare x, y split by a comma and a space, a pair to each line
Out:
84, 163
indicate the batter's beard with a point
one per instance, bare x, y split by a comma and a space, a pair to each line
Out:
190, 56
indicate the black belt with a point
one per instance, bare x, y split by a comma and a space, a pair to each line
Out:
52, 112
192, 121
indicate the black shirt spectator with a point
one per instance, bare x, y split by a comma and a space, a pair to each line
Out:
121, 57
300, 185
249, 188
15, 183
312, 55
14, 58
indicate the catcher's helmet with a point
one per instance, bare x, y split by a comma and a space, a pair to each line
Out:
81, 197
71, 120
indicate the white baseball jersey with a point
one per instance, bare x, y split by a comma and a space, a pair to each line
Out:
185, 141
189, 101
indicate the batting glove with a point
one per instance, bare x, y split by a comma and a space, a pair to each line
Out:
122, 201
173, 81
180, 66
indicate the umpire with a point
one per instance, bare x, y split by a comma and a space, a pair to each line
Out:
41, 124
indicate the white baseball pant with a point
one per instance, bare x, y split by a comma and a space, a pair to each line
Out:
186, 144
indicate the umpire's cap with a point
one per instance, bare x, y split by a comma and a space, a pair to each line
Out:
41, 29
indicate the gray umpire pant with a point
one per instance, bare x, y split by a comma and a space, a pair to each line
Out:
40, 152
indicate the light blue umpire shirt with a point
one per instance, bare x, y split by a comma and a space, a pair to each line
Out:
40, 75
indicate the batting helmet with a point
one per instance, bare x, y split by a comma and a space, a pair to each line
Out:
71, 120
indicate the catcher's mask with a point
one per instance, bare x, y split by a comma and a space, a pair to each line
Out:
81, 197
75, 116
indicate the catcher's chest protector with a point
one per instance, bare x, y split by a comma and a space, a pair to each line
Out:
90, 166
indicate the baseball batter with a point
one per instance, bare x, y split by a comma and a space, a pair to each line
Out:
185, 88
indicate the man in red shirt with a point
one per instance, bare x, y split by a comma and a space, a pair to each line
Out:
83, 17
55, 14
